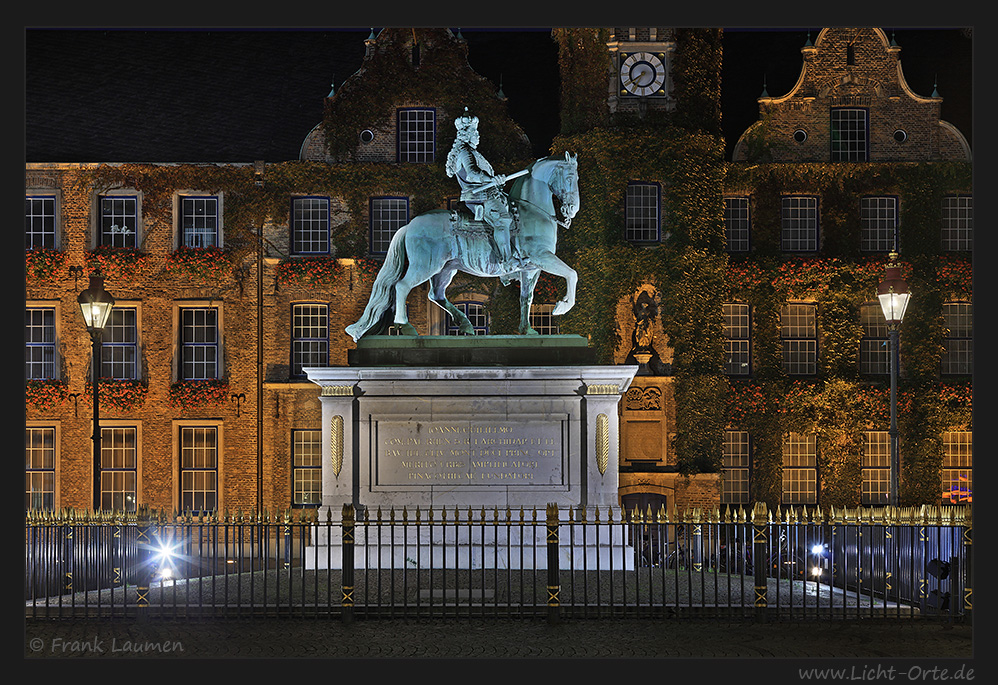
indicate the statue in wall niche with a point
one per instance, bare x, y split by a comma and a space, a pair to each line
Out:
643, 353
479, 239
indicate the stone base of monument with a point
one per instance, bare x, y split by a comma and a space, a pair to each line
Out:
474, 545
493, 422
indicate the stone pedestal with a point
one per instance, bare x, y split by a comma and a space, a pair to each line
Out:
419, 433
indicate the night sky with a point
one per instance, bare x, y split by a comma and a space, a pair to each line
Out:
215, 95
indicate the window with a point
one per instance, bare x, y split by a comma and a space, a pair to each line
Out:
874, 350
39, 343
39, 467
958, 222
119, 348
736, 339
958, 467
199, 343
309, 337
800, 469
799, 335
119, 220
735, 468
642, 215
39, 222
198, 468
879, 229
416, 135
307, 451
958, 354
542, 321
876, 467
388, 215
199, 221
799, 224
310, 225
118, 463
477, 315
848, 135
736, 223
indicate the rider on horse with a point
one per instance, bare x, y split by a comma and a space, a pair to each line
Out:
481, 187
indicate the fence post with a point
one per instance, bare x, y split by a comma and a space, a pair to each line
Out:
554, 586
143, 568
347, 550
759, 560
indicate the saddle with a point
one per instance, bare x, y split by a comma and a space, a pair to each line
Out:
462, 220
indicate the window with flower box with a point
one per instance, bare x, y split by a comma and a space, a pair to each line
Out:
199, 343
878, 224
799, 224
310, 225
118, 220
39, 343
119, 345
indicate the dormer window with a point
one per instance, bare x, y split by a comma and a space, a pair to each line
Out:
849, 135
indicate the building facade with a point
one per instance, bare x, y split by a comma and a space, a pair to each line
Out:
742, 288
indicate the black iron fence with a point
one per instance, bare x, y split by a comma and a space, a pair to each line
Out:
880, 563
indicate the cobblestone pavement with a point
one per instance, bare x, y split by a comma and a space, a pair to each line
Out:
481, 638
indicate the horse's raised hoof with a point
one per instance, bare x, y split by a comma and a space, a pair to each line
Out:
561, 307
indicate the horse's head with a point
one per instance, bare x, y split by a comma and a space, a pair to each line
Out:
565, 184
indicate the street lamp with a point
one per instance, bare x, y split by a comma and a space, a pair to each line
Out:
894, 296
96, 304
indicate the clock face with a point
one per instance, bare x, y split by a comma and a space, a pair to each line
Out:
642, 73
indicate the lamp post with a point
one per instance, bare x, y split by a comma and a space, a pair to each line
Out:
894, 295
96, 304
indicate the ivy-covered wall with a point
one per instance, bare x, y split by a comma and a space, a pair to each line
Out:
839, 403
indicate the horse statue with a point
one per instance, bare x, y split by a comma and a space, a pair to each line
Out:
437, 244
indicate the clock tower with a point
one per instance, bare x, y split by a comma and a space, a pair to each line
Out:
641, 70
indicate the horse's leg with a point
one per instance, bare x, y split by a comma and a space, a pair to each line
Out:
438, 295
528, 280
416, 273
548, 261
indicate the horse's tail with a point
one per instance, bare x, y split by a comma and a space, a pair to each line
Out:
383, 290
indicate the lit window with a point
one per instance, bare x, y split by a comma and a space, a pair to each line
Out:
876, 467
119, 345
416, 135
309, 337
39, 467
879, 229
800, 469
118, 463
477, 315
958, 467
39, 343
642, 212
737, 361
388, 215
199, 221
310, 225
39, 222
958, 223
799, 337
542, 321
307, 451
735, 468
874, 352
736, 223
199, 343
849, 135
958, 354
198, 468
799, 224
119, 220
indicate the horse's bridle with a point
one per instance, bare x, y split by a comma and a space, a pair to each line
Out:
563, 224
